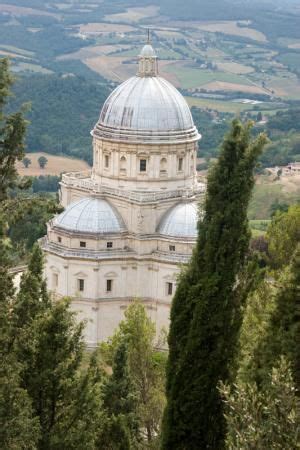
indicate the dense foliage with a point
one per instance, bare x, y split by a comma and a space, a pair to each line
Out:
146, 368
206, 310
263, 419
12, 134
212, 131
262, 404
63, 111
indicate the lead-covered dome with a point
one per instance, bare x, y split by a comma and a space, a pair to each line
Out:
146, 108
90, 215
180, 221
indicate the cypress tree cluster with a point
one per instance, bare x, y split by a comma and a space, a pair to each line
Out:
206, 310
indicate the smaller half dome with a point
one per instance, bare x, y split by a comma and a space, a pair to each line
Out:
181, 220
90, 215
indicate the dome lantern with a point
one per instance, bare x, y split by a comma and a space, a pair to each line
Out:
147, 61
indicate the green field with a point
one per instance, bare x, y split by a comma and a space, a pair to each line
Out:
265, 195
27, 67
218, 105
192, 77
161, 52
291, 60
259, 227
19, 51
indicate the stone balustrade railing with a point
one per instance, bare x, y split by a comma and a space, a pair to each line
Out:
104, 254
83, 181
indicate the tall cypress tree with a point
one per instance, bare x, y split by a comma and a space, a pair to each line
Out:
32, 298
12, 134
206, 310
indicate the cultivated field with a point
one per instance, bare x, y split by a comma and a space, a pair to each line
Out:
28, 67
112, 68
225, 86
192, 54
19, 51
133, 14
21, 11
233, 67
232, 28
190, 76
100, 28
218, 105
55, 166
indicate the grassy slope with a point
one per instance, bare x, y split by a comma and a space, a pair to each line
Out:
266, 192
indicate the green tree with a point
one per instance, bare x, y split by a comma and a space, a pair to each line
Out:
66, 402
272, 328
263, 419
121, 425
26, 162
49, 346
283, 235
32, 298
146, 369
207, 307
19, 429
12, 133
42, 161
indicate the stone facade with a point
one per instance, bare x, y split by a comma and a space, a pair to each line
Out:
145, 181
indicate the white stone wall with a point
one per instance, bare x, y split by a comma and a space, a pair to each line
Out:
146, 280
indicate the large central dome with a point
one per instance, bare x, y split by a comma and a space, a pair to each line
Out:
146, 108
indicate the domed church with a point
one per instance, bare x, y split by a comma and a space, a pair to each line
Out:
131, 222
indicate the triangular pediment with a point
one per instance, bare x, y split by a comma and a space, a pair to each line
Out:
111, 275
80, 275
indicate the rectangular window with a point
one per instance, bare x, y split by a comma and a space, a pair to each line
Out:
59, 239
109, 245
143, 165
172, 248
82, 244
169, 288
106, 161
81, 284
180, 164
109, 285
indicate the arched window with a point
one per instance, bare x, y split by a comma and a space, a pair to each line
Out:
163, 166
123, 165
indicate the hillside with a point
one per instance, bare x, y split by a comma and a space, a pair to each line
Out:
62, 112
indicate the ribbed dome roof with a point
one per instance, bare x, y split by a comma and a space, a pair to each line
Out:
181, 220
90, 215
146, 108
